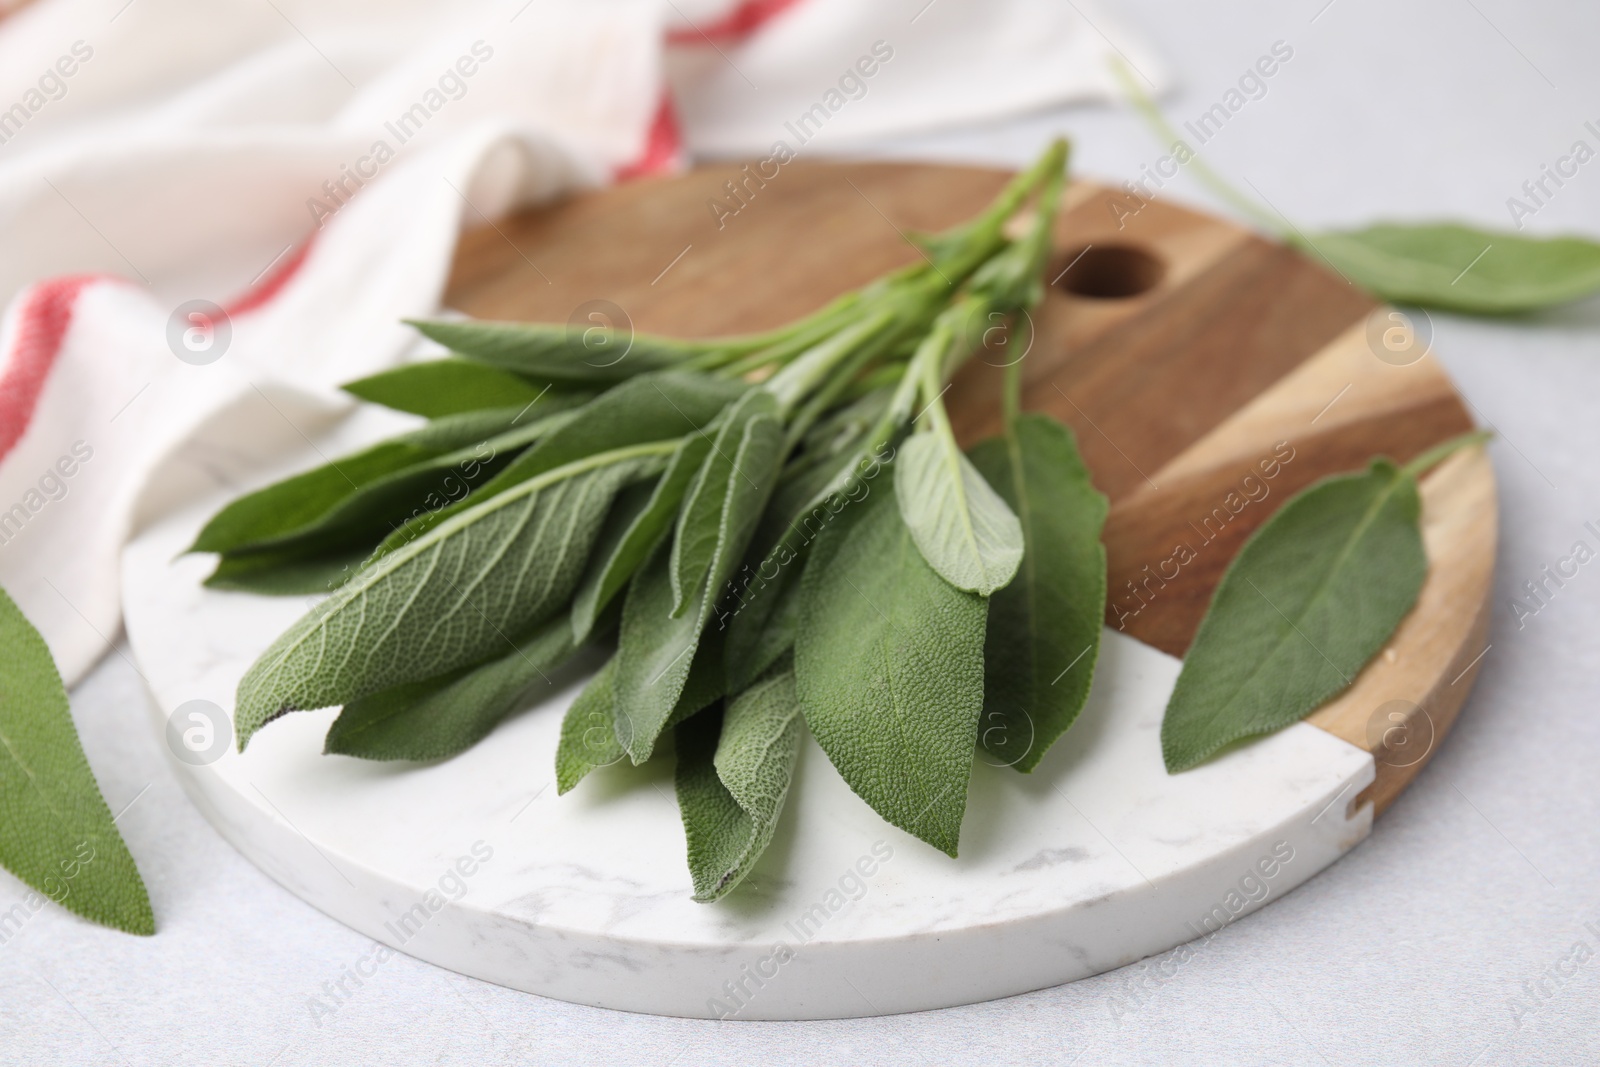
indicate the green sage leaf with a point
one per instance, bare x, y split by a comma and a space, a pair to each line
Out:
56, 833
594, 732
439, 717
292, 572
438, 387
657, 646
699, 527
889, 670
598, 353
734, 771
445, 599
589, 731
963, 528
1044, 627
760, 619
635, 533
1461, 268
1313, 594
306, 502
654, 407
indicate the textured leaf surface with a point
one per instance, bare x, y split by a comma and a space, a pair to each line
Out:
1044, 627
1460, 268
889, 671
734, 771
730, 458
444, 600
287, 573
305, 501
591, 352
439, 717
963, 528
56, 833
636, 533
1313, 594
760, 622
657, 648
589, 731
654, 407
438, 387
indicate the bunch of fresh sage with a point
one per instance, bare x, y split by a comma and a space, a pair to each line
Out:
772, 529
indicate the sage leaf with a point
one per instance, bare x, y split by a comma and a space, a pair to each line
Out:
1044, 627
589, 731
550, 352
1313, 594
963, 528
1462, 268
636, 534
657, 646
889, 670
447, 598
734, 771
650, 408
439, 387
700, 520
760, 627
286, 573
439, 717
594, 732
306, 502
56, 833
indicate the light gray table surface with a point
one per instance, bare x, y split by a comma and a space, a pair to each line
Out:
1448, 937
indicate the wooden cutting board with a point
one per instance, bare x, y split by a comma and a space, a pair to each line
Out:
1209, 374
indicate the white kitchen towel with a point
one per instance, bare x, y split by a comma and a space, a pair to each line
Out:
211, 213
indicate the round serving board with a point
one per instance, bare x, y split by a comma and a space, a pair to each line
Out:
1208, 374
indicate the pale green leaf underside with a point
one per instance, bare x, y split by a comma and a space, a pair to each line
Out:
439, 717
1307, 602
963, 528
1044, 627
733, 774
446, 599
889, 671
56, 833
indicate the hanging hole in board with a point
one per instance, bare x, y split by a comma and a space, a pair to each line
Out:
1107, 272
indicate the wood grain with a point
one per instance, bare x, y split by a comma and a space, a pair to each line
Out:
1208, 374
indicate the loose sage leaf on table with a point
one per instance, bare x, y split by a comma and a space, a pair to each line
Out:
734, 771
657, 644
441, 716
1459, 268
56, 833
445, 599
964, 529
554, 352
438, 387
1313, 594
889, 670
1044, 627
